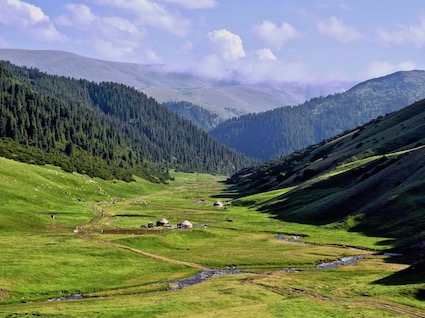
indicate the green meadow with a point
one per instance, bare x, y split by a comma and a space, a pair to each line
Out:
52, 246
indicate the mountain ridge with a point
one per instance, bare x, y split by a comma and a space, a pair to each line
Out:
226, 99
283, 130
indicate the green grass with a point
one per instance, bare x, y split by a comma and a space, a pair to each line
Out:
43, 258
41, 267
357, 162
218, 248
345, 292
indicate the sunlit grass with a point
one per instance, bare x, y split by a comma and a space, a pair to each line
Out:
43, 258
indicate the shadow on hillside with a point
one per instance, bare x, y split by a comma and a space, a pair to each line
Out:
231, 192
383, 242
226, 194
414, 274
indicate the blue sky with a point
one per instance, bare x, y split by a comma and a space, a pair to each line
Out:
248, 40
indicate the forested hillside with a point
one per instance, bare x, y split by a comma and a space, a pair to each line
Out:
107, 130
370, 179
196, 114
281, 131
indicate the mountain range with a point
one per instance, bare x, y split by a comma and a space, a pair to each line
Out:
283, 130
223, 99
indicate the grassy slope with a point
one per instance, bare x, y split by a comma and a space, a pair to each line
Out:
43, 258
369, 179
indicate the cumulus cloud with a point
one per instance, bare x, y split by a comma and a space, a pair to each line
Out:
273, 35
150, 13
229, 61
265, 54
413, 35
30, 19
336, 29
193, 4
226, 44
382, 68
111, 36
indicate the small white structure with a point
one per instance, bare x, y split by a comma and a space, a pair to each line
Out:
162, 222
185, 224
218, 204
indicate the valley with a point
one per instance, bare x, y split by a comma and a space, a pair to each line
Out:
45, 258
183, 159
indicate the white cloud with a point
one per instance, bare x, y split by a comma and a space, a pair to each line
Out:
273, 35
226, 44
382, 68
80, 17
229, 61
265, 54
111, 36
150, 13
336, 29
29, 19
413, 35
193, 4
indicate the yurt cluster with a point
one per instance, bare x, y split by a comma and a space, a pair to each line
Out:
185, 224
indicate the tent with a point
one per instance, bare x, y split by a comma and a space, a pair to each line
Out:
185, 225
162, 222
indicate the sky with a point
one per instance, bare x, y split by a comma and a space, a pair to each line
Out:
245, 40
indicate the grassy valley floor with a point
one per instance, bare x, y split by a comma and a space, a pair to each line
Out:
56, 241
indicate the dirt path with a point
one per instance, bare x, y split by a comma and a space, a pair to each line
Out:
88, 228
155, 256
399, 309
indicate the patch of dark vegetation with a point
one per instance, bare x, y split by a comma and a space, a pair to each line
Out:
310, 172
321, 153
414, 274
420, 294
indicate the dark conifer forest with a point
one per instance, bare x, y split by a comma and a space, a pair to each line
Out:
105, 130
284, 130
